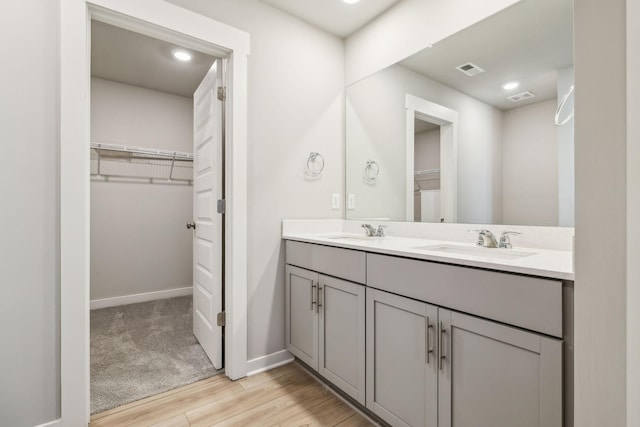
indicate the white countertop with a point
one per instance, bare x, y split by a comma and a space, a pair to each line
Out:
554, 264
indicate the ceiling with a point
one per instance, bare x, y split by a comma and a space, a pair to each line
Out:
420, 126
334, 16
527, 42
127, 57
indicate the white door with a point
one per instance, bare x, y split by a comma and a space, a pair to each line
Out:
207, 190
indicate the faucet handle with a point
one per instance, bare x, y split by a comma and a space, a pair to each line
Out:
505, 242
486, 238
480, 241
380, 230
481, 233
368, 228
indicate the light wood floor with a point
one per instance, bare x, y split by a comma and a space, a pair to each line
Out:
285, 396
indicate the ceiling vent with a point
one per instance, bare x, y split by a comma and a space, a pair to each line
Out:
521, 96
470, 69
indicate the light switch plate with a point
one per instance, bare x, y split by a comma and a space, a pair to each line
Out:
335, 201
351, 201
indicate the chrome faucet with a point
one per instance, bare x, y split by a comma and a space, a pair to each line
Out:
369, 230
486, 239
505, 242
372, 232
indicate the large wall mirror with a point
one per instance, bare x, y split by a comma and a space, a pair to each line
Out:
465, 131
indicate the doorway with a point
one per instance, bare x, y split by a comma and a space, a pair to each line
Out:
426, 172
151, 330
431, 140
169, 23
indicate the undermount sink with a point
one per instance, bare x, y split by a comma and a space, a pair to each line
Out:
494, 253
355, 237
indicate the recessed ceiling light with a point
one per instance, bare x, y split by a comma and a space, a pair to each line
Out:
351, 1
510, 85
182, 55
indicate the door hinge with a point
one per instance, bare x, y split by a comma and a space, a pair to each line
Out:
222, 93
222, 206
222, 318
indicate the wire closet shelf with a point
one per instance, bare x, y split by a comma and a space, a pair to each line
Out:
423, 177
109, 160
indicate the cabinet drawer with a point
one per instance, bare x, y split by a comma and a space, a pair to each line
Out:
529, 302
338, 262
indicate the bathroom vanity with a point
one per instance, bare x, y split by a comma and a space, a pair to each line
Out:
427, 332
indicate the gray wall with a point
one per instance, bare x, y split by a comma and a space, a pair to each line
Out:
29, 248
426, 154
296, 105
530, 165
601, 204
131, 115
633, 211
139, 242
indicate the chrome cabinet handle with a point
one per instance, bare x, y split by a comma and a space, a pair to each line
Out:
441, 332
191, 225
320, 292
313, 290
428, 340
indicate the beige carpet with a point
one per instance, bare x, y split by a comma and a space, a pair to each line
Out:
139, 350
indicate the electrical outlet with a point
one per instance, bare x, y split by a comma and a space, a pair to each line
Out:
351, 201
335, 201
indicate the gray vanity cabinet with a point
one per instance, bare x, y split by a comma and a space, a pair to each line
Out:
402, 376
478, 373
424, 363
302, 314
342, 335
325, 327
495, 375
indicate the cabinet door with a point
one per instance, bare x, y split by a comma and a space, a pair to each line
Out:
301, 321
496, 375
342, 335
401, 361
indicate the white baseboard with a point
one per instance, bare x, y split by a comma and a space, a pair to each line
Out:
270, 361
52, 423
147, 296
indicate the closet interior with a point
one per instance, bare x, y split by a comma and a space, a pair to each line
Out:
426, 173
142, 160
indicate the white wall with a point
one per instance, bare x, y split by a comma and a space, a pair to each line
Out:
602, 224
29, 217
139, 242
296, 105
530, 165
376, 130
407, 28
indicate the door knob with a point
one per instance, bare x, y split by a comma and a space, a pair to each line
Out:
191, 225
